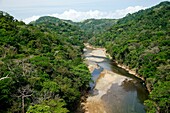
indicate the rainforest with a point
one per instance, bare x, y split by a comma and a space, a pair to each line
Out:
43, 69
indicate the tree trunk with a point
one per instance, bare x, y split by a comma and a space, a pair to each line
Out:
23, 104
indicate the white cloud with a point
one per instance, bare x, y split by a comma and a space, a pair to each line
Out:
79, 15
123, 12
33, 18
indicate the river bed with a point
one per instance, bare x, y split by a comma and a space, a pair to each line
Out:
114, 90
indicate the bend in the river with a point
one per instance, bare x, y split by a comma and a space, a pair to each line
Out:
114, 90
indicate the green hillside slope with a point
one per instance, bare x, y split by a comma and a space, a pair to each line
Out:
40, 70
92, 27
141, 41
84, 30
66, 29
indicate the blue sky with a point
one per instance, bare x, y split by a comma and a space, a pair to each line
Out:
76, 10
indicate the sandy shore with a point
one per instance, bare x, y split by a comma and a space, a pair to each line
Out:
133, 72
106, 79
94, 104
91, 59
101, 52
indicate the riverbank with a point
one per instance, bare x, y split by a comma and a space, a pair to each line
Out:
94, 102
113, 90
133, 72
104, 54
98, 53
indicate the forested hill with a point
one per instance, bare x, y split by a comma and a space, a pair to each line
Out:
41, 71
84, 30
141, 41
64, 28
92, 27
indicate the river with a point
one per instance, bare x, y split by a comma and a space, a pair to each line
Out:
114, 90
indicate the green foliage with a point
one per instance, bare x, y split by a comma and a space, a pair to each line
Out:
61, 27
51, 106
92, 27
39, 109
141, 42
151, 106
40, 63
45, 72
82, 30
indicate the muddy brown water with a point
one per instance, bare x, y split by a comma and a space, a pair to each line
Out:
127, 97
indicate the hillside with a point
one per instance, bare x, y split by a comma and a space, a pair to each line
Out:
141, 41
92, 27
84, 30
40, 70
62, 27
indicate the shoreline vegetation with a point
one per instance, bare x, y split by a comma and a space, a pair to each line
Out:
130, 71
43, 60
144, 50
133, 72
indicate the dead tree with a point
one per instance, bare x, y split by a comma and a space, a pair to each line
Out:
24, 92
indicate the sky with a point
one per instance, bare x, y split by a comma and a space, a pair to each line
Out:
75, 10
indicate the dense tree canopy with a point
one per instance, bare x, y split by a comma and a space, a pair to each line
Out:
141, 41
92, 27
41, 69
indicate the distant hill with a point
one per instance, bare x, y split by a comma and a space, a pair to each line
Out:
95, 26
64, 28
141, 41
89, 27
59, 26
41, 62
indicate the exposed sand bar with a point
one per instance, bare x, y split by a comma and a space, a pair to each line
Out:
100, 52
94, 103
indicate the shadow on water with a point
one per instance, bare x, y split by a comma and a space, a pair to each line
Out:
129, 96
125, 98
95, 74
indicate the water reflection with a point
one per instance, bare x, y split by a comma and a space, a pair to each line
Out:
134, 85
127, 97
95, 75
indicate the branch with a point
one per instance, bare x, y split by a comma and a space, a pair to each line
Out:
4, 78
27, 95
